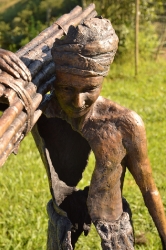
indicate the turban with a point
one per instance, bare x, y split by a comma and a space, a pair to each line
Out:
87, 50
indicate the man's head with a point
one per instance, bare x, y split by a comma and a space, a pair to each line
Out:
87, 50
82, 59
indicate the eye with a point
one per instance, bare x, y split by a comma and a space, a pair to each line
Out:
66, 88
90, 89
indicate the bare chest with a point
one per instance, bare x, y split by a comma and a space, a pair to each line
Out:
106, 142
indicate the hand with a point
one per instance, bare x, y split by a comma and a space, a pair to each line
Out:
10, 63
116, 235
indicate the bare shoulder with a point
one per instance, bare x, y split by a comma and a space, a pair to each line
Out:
107, 107
124, 118
134, 119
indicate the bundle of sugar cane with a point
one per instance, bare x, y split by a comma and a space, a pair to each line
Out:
23, 98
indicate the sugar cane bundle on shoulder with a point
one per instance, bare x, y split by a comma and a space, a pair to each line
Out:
20, 97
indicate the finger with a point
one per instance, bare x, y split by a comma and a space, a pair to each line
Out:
14, 64
115, 243
4, 66
15, 59
128, 242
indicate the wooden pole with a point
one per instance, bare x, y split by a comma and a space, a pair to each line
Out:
136, 35
49, 31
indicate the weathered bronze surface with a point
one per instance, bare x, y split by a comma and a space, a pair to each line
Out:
115, 134
11, 64
76, 120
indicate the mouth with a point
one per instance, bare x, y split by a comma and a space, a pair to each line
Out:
78, 110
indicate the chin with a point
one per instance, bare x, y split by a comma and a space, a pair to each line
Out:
78, 114
75, 115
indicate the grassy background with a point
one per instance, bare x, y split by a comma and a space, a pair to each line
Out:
23, 182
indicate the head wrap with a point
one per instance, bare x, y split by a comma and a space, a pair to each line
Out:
87, 50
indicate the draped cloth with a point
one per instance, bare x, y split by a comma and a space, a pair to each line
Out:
87, 50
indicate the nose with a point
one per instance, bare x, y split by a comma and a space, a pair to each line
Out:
78, 100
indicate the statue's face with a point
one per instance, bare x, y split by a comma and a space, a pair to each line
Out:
76, 94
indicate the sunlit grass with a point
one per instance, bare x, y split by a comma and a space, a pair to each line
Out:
24, 194
23, 181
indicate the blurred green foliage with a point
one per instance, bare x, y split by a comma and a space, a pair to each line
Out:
22, 21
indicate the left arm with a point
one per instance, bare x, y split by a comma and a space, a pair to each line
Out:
139, 166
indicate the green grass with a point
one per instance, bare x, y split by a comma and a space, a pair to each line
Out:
24, 193
23, 181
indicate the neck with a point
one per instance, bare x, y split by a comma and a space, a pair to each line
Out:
78, 123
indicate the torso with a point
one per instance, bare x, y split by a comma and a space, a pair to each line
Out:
102, 130
105, 130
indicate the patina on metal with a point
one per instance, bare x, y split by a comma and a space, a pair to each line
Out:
115, 134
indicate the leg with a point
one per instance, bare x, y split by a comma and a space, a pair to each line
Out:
64, 153
64, 230
77, 211
59, 230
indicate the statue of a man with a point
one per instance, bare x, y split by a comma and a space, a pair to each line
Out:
76, 120
115, 134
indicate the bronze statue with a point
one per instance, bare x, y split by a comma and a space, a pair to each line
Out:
76, 120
